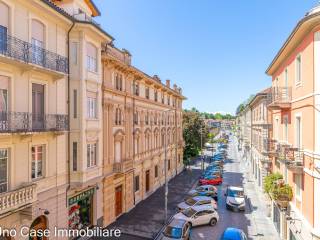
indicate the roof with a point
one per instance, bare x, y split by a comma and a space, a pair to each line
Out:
312, 15
232, 233
93, 8
67, 15
177, 223
262, 93
236, 188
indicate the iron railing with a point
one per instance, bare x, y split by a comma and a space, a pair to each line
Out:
281, 95
18, 49
15, 122
86, 18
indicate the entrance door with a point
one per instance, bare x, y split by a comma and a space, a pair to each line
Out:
40, 223
118, 203
147, 181
37, 106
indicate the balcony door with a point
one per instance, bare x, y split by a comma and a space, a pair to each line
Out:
4, 82
37, 106
37, 41
3, 170
118, 202
4, 22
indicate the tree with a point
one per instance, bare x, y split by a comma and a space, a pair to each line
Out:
193, 124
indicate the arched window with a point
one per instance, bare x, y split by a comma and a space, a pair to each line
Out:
4, 25
117, 151
38, 42
92, 58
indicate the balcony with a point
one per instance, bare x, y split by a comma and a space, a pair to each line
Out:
22, 122
294, 159
280, 98
122, 56
270, 147
82, 17
122, 167
16, 199
12, 48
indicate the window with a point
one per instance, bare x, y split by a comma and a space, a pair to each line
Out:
147, 118
298, 182
156, 96
179, 158
168, 100
147, 93
3, 170
37, 153
169, 164
298, 132
156, 171
136, 89
91, 58
4, 82
162, 99
74, 155
74, 52
298, 70
75, 103
136, 183
92, 107
4, 23
118, 81
118, 117
136, 118
285, 121
37, 41
91, 154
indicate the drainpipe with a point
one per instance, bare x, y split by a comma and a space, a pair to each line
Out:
68, 111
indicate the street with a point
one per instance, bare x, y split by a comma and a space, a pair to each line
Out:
253, 221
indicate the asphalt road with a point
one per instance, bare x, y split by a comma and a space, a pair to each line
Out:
236, 174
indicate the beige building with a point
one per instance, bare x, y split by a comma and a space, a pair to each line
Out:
33, 114
141, 115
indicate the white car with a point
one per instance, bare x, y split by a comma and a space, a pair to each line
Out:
197, 201
199, 215
235, 198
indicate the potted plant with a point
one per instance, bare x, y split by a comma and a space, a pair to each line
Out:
282, 194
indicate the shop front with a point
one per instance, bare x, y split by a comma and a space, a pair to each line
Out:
81, 210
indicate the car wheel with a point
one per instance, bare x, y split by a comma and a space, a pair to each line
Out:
213, 222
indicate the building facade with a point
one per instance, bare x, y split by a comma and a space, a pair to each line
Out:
295, 118
142, 126
33, 115
261, 127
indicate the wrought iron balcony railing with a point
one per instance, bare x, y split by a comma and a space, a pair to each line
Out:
18, 49
15, 122
280, 97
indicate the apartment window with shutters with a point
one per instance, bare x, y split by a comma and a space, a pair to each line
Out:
92, 106
298, 70
136, 183
92, 58
156, 171
4, 170
75, 103
38, 160
91, 154
74, 155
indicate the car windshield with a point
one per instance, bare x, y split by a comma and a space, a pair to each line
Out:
191, 201
173, 232
235, 193
189, 212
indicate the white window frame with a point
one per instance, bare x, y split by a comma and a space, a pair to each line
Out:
92, 152
44, 157
298, 82
92, 108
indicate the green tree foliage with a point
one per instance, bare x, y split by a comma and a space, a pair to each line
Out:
193, 124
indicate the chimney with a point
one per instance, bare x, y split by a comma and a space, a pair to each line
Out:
168, 83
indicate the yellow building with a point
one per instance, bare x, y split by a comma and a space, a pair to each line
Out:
33, 114
141, 116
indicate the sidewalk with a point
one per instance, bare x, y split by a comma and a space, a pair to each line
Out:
146, 219
263, 228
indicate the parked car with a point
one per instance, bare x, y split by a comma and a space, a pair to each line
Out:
177, 229
211, 180
204, 190
199, 215
197, 201
235, 198
233, 234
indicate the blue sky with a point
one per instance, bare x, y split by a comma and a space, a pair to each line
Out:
216, 50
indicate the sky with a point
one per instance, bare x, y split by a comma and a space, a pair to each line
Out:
216, 50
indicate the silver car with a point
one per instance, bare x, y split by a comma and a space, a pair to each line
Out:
177, 229
197, 201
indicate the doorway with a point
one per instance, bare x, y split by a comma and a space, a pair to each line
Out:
147, 181
118, 202
37, 106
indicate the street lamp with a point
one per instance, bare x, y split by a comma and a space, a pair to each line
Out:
166, 169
